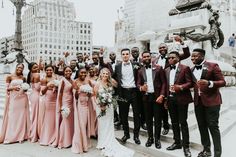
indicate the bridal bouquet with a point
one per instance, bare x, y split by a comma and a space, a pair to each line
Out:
65, 111
86, 89
54, 82
106, 99
25, 86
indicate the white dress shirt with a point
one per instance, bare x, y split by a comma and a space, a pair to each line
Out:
162, 62
127, 80
172, 75
149, 80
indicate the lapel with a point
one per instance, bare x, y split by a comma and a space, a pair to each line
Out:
177, 72
204, 71
144, 74
153, 72
194, 78
168, 75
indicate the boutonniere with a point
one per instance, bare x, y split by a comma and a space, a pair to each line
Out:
204, 68
136, 67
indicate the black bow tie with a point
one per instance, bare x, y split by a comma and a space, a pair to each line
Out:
135, 60
163, 56
172, 67
95, 63
127, 63
112, 62
198, 67
148, 66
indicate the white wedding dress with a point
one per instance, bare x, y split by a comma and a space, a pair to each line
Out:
107, 142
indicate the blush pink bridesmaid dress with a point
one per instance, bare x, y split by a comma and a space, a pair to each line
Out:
16, 118
64, 125
34, 101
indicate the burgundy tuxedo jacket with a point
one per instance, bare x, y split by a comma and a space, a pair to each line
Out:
183, 77
158, 77
184, 55
209, 96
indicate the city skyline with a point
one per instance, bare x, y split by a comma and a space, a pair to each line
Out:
103, 22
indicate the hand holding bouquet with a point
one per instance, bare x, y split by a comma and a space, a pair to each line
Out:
25, 87
65, 111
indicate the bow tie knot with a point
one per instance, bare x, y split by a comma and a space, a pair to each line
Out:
126, 63
148, 66
198, 67
163, 56
172, 67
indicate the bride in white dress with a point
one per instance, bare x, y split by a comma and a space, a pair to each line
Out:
107, 142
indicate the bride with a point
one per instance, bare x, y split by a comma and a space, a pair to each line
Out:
106, 134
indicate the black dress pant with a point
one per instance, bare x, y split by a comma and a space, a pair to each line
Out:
153, 110
130, 95
178, 116
141, 107
165, 119
208, 120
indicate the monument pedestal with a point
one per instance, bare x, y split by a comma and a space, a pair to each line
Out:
197, 20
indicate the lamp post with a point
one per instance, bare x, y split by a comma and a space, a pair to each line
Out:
19, 4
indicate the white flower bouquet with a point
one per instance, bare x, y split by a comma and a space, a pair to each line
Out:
81, 65
54, 82
25, 86
86, 89
65, 111
105, 99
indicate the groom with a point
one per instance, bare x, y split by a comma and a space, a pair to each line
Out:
126, 76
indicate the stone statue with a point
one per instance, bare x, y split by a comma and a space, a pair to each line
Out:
215, 34
183, 6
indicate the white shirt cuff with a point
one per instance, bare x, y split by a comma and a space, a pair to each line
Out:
184, 45
211, 84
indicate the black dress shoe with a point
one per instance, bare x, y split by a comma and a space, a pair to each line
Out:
158, 144
174, 146
136, 140
144, 126
187, 152
204, 153
125, 138
165, 131
149, 142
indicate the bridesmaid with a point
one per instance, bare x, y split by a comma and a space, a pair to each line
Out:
92, 77
65, 122
82, 130
49, 91
33, 78
16, 121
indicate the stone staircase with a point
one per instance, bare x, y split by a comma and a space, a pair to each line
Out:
227, 122
2, 93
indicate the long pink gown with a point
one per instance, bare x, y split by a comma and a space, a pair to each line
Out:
34, 100
16, 118
92, 114
48, 132
65, 125
82, 131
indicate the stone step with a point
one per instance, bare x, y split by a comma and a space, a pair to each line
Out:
226, 123
152, 151
192, 122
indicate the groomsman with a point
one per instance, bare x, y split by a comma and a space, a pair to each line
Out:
138, 61
126, 76
179, 82
152, 84
162, 60
207, 99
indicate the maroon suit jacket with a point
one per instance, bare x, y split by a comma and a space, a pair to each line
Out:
183, 77
209, 96
158, 77
184, 55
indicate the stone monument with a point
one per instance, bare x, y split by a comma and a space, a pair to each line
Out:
16, 56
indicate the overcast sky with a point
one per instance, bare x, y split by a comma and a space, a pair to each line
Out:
102, 13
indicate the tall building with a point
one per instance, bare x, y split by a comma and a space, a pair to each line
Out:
6, 44
49, 28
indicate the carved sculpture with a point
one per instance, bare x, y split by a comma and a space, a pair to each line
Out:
215, 34
183, 6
